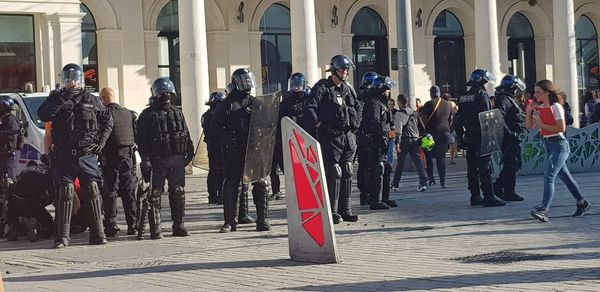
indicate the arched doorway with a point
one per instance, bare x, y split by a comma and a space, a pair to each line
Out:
89, 50
587, 55
276, 48
521, 50
449, 53
369, 44
168, 46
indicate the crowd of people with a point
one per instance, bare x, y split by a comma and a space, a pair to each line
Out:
93, 142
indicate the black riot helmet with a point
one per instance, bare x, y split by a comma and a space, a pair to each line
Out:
367, 79
511, 83
163, 89
72, 76
215, 98
6, 104
340, 62
297, 82
242, 80
480, 77
383, 83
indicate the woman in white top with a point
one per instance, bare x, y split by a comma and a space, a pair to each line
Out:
557, 147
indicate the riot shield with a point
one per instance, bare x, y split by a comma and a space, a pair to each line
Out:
492, 131
201, 155
261, 137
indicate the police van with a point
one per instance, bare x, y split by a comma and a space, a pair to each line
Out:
27, 105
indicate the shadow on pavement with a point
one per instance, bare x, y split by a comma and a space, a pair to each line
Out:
463, 281
160, 269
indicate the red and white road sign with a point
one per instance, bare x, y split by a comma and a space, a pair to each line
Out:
310, 226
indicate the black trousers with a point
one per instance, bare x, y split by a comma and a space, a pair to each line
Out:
119, 181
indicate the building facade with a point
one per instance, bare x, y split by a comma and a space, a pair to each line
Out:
126, 44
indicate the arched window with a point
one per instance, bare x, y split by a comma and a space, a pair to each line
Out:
276, 48
521, 49
449, 53
17, 52
587, 55
168, 46
89, 50
369, 44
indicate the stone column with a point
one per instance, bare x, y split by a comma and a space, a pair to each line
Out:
110, 61
194, 63
151, 47
565, 57
66, 39
406, 58
304, 39
486, 37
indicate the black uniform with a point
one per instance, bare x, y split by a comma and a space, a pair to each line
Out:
338, 111
377, 121
81, 126
468, 132
514, 119
9, 139
361, 156
215, 177
118, 169
163, 139
232, 122
30, 195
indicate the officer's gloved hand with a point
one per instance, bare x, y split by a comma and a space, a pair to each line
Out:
95, 148
189, 154
146, 169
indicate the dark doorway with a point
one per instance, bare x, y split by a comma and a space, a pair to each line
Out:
449, 52
521, 50
276, 48
369, 44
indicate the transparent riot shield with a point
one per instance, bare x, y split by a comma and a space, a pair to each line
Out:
261, 137
492, 131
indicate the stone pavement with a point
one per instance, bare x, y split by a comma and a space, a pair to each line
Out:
432, 241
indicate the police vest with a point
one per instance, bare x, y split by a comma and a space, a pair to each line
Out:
77, 124
237, 123
169, 137
122, 134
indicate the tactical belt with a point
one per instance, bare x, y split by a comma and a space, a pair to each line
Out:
72, 151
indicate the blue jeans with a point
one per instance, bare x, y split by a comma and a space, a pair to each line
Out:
557, 150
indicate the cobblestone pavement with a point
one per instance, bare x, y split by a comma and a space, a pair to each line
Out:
432, 241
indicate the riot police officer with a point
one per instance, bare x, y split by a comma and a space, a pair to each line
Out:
294, 107
10, 137
165, 147
361, 174
468, 131
514, 125
118, 165
232, 122
214, 180
81, 126
376, 124
338, 113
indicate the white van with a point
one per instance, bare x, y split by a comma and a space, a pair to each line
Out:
33, 143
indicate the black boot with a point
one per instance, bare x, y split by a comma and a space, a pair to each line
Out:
154, 214
345, 199
66, 194
333, 185
243, 216
492, 201
498, 190
111, 229
177, 204
260, 191
142, 218
364, 199
476, 200
97, 235
385, 189
375, 183
13, 231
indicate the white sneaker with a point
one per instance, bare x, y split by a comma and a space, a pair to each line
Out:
422, 188
395, 189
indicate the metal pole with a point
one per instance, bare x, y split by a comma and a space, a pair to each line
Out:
406, 58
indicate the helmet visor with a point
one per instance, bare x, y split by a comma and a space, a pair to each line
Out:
68, 77
245, 81
297, 84
520, 84
491, 79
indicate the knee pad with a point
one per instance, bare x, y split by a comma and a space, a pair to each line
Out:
260, 187
378, 169
347, 170
154, 198
178, 191
66, 192
93, 190
335, 171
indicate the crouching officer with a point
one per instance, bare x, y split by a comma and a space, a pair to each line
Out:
514, 125
81, 126
118, 166
468, 131
338, 114
232, 122
165, 147
214, 180
376, 123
